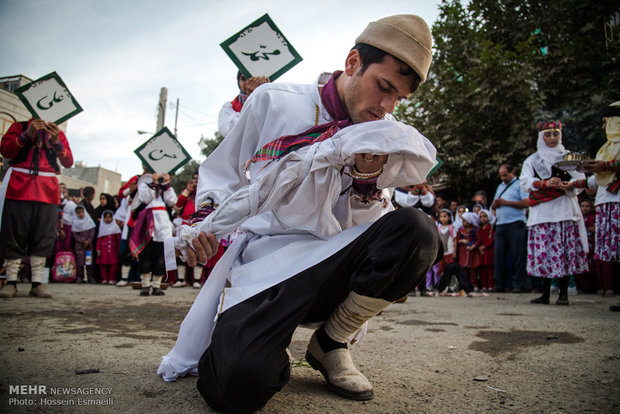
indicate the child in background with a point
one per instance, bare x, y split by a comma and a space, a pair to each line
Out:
458, 221
485, 248
83, 232
467, 247
447, 234
108, 248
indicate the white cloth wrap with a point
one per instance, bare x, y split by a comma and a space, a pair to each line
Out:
296, 212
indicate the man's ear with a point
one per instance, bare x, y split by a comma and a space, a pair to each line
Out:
352, 63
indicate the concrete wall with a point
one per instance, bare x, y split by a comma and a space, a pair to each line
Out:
103, 180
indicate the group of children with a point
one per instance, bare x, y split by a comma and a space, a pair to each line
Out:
89, 242
468, 242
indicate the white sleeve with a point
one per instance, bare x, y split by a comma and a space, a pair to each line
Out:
527, 177
427, 199
223, 172
169, 196
145, 193
227, 119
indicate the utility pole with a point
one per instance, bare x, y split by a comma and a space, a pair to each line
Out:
176, 116
161, 109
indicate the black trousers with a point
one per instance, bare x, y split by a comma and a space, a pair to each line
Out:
151, 259
246, 363
28, 229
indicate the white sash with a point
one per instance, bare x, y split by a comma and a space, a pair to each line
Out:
5, 184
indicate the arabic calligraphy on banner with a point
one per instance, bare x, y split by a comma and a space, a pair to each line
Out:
260, 49
49, 99
163, 153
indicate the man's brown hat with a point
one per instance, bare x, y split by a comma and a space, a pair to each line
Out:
404, 36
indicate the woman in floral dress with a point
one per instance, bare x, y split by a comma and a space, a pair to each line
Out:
606, 167
557, 241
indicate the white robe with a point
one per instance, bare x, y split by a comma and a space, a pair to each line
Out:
148, 196
298, 217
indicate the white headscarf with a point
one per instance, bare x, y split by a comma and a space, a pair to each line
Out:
105, 229
611, 149
82, 224
490, 215
471, 218
547, 156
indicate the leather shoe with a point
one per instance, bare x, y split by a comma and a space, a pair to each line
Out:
40, 292
339, 370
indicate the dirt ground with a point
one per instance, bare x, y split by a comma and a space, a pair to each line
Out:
429, 355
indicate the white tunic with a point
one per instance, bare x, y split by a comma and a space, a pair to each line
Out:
146, 195
560, 209
554, 211
299, 217
68, 212
122, 214
602, 195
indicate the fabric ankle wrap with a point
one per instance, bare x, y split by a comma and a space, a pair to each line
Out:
12, 269
146, 279
37, 264
351, 314
157, 281
181, 271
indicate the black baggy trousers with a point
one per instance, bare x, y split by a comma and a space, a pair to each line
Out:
246, 363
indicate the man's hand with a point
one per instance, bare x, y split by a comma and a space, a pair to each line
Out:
205, 247
498, 203
166, 178
34, 127
52, 129
253, 83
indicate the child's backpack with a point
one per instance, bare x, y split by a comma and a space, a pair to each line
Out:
454, 278
64, 269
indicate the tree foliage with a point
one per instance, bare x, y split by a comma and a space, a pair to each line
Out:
208, 145
499, 67
180, 179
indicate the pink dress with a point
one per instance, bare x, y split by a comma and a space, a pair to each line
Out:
109, 248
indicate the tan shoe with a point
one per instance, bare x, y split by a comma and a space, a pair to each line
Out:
8, 291
339, 370
40, 292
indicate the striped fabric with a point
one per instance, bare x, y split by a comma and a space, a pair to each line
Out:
543, 195
283, 145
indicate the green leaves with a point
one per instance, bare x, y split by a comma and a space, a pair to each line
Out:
500, 66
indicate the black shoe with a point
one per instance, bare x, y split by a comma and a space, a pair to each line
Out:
517, 290
614, 308
498, 290
542, 300
158, 292
562, 300
145, 292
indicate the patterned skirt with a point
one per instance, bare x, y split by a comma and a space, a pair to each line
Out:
555, 250
607, 241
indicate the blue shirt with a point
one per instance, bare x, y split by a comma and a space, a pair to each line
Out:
506, 214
